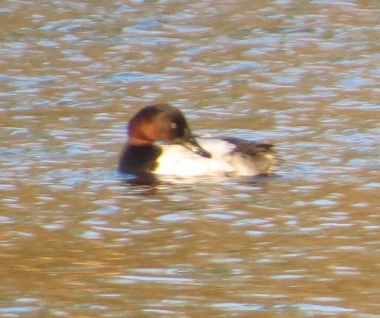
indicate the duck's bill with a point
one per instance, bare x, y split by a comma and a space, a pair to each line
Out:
191, 144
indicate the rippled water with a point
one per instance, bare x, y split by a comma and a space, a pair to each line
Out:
75, 241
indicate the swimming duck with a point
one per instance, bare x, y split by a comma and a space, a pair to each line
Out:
182, 154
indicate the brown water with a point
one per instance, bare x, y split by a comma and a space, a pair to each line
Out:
75, 241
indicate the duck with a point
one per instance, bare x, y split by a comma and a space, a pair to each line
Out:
160, 142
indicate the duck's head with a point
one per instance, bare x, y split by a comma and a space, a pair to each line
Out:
162, 122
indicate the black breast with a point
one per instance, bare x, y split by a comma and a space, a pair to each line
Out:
138, 159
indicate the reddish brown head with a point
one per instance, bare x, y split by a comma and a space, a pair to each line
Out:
162, 122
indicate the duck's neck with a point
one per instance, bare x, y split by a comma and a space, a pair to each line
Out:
135, 141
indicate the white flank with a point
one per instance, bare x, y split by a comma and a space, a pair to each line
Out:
176, 160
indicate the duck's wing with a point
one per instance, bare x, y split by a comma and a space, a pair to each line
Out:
249, 147
252, 158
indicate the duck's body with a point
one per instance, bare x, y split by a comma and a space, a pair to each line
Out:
226, 160
183, 155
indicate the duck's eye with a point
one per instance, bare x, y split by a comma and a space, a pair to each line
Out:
173, 125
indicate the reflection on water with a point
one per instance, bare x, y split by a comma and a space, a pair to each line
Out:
78, 241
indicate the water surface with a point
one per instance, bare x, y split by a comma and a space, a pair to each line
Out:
76, 241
